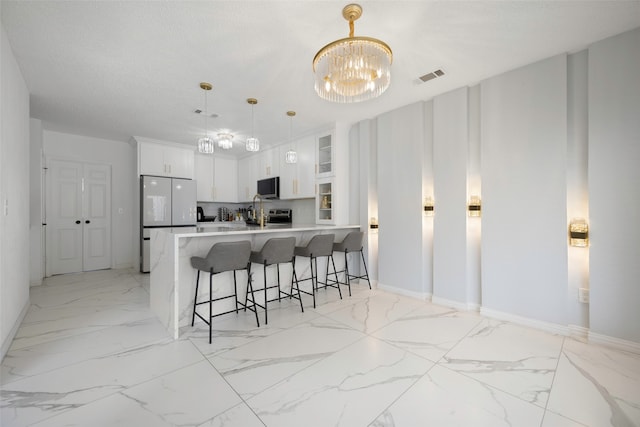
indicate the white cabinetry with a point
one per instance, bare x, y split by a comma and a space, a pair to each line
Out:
216, 179
324, 201
324, 156
247, 178
204, 178
297, 179
268, 164
225, 178
165, 160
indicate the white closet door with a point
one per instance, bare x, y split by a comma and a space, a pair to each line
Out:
97, 217
78, 217
64, 218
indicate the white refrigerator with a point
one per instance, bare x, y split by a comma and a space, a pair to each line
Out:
164, 202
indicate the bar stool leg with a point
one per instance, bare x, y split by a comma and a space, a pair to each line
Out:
314, 280
337, 283
253, 297
295, 277
278, 271
366, 272
210, 303
346, 272
235, 289
193, 317
265, 293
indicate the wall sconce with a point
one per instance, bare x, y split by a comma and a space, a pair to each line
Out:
428, 206
373, 224
579, 233
475, 206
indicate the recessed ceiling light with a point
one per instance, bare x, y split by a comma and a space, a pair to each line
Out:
211, 115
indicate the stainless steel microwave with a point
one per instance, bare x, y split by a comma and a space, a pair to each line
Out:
269, 188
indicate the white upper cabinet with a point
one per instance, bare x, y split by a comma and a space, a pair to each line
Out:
165, 160
216, 179
325, 165
247, 178
225, 178
268, 163
204, 178
297, 180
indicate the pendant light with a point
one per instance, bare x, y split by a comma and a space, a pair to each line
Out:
225, 141
291, 156
205, 144
352, 69
252, 143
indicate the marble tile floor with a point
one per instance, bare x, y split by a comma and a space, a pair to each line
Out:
90, 353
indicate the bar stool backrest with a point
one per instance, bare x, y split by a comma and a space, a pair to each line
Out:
351, 243
278, 250
320, 245
229, 256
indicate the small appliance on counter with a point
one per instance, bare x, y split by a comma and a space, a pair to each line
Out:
203, 218
280, 216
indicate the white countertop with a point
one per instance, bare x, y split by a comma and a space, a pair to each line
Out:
222, 228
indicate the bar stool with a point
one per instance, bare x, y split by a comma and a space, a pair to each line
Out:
320, 245
351, 243
232, 256
277, 250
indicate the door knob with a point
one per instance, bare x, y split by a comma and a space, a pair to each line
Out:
87, 222
78, 222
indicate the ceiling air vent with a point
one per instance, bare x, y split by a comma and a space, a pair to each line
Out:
211, 115
432, 75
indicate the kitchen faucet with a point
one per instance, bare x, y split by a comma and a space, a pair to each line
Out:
261, 209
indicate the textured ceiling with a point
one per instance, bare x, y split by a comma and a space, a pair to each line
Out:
113, 69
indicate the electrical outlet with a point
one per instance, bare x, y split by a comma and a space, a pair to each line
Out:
583, 295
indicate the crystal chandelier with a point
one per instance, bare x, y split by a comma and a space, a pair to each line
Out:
205, 144
291, 156
225, 141
352, 69
252, 143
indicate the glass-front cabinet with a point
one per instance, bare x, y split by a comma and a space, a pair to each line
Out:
324, 201
324, 155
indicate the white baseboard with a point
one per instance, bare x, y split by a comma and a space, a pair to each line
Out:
579, 332
618, 343
554, 328
14, 330
451, 303
122, 266
424, 296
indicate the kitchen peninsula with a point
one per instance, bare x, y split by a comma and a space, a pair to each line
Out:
172, 281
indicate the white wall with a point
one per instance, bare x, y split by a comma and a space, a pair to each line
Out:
524, 192
614, 177
14, 202
450, 154
577, 184
122, 158
400, 136
36, 205
364, 189
427, 191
